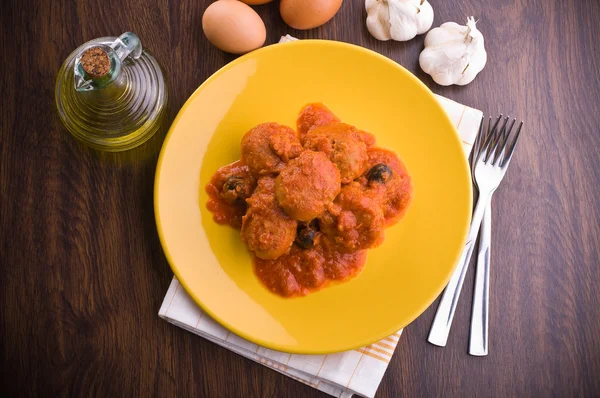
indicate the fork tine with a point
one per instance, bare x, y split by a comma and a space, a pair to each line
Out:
504, 136
485, 145
494, 141
490, 128
484, 148
510, 151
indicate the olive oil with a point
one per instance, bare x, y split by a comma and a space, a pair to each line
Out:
111, 93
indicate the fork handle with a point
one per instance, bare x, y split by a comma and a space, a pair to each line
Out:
438, 334
478, 338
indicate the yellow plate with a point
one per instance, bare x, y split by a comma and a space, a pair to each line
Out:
401, 278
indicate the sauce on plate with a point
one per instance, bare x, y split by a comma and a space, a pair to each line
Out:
310, 206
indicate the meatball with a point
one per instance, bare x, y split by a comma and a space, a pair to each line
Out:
268, 147
266, 229
313, 115
388, 183
353, 222
228, 190
367, 138
307, 185
343, 146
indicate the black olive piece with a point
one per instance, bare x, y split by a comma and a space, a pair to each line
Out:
233, 183
235, 190
305, 234
379, 173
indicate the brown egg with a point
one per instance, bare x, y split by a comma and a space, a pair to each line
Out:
256, 2
233, 26
308, 14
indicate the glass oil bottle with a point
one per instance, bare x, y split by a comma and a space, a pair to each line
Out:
111, 93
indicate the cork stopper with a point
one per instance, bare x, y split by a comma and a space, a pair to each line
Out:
95, 62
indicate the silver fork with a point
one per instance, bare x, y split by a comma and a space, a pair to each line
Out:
489, 169
478, 336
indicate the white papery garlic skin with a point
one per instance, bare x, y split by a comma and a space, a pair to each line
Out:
453, 54
399, 20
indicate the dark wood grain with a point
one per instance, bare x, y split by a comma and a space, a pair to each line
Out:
83, 274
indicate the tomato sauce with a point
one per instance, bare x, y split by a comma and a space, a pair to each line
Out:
303, 271
318, 225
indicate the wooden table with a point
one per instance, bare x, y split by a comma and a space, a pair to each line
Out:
83, 274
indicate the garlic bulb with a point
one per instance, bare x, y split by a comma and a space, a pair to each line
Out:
398, 20
453, 54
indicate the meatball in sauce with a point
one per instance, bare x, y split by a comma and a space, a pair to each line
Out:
268, 147
307, 185
313, 115
228, 190
310, 204
353, 222
266, 229
388, 183
343, 145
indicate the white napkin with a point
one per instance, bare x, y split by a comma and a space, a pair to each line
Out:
342, 374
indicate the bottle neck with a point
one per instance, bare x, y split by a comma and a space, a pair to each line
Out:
96, 68
99, 66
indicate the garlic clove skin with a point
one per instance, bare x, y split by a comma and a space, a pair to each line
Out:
399, 20
378, 20
454, 54
425, 16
